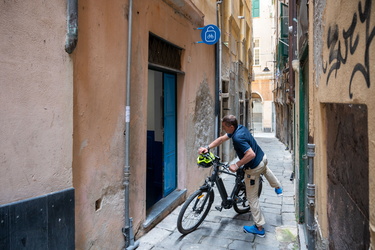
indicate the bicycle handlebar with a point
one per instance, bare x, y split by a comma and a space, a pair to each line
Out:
226, 167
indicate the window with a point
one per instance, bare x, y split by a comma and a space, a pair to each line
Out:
242, 108
256, 52
255, 8
161, 52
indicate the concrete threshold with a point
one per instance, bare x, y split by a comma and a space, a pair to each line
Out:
302, 237
163, 207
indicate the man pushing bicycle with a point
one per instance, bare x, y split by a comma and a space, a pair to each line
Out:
255, 163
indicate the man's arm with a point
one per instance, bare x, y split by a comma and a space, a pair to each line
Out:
217, 142
249, 155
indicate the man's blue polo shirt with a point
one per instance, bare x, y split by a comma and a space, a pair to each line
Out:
243, 141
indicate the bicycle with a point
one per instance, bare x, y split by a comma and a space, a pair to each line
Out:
197, 206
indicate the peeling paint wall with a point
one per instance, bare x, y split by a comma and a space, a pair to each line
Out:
318, 32
203, 116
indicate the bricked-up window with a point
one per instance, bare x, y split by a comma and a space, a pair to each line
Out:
348, 176
161, 52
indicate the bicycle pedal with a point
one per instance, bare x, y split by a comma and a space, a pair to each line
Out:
218, 208
238, 200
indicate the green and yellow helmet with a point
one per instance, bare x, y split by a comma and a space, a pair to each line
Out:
206, 160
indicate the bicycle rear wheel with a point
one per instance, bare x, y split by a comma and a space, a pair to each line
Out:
194, 211
241, 205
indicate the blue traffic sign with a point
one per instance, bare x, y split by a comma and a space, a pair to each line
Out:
210, 34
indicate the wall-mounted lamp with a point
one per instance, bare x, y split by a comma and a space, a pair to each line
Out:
266, 69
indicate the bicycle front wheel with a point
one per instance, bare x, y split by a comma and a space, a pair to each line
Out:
194, 211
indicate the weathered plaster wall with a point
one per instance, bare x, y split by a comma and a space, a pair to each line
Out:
235, 50
264, 87
195, 94
35, 99
344, 59
99, 100
100, 63
208, 8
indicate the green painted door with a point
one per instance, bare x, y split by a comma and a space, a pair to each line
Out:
303, 138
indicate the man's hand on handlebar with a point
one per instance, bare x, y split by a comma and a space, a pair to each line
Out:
233, 168
202, 150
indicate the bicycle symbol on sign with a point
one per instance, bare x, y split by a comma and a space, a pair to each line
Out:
210, 34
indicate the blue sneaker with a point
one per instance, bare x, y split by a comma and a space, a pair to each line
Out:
254, 230
279, 191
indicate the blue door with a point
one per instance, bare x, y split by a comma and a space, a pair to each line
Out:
170, 145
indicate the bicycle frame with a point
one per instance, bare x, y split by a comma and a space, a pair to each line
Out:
198, 204
227, 201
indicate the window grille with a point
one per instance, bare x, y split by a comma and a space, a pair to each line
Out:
161, 52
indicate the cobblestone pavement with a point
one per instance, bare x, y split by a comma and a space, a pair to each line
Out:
223, 230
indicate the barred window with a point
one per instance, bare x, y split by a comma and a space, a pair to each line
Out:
163, 53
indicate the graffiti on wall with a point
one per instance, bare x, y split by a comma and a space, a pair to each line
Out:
343, 45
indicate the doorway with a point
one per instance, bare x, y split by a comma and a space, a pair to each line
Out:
302, 171
161, 136
348, 176
257, 113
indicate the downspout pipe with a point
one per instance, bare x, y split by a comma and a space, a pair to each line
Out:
128, 229
311, 225
218, 72
72, 26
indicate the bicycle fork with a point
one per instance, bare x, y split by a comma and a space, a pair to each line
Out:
205, 188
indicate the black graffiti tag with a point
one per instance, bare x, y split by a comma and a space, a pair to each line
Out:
350, 44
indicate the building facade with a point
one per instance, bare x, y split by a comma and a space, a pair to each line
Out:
328, 74
65, 139
236, 50
341, 120
264, 66
284, 93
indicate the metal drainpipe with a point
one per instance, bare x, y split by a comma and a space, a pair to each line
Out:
218, 72
72, 26
311, 225
128, 229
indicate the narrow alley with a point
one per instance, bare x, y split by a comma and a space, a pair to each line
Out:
104, 105
223, 230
